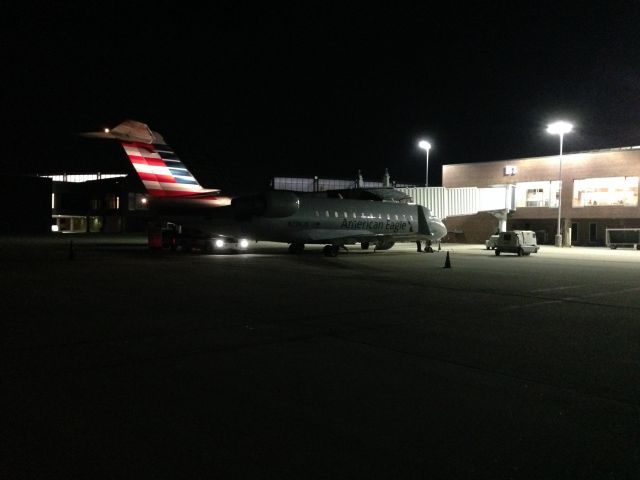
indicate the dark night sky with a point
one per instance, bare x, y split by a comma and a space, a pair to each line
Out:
246, 92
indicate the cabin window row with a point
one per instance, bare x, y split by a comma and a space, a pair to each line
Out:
380, 216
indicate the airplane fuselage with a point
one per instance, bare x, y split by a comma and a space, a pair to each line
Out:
314, 220
324, 220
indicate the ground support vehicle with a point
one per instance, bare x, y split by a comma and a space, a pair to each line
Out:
520, 242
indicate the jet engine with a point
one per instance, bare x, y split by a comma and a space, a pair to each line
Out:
274, 204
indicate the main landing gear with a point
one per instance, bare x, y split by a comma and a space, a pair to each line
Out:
331, 250
328, 250
296, 248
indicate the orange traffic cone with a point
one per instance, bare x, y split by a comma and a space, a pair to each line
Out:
447, 262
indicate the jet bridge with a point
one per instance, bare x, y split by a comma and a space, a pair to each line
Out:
452, 202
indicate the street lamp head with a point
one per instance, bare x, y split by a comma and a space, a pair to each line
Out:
424, 145
559, 128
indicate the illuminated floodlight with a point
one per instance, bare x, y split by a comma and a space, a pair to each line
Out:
559, 128
54, 228
425, 146
244, 243
219, 243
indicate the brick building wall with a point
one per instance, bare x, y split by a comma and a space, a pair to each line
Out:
588, 222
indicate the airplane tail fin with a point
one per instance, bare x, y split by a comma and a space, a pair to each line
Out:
161, 171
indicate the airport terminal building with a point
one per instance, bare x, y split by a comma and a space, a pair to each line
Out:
98, 203
73, 203
599, 191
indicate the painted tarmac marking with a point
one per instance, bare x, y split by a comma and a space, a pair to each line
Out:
541, 290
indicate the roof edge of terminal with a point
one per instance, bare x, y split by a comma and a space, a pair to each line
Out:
564, 154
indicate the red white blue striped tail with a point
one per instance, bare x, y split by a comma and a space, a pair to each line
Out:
161, 171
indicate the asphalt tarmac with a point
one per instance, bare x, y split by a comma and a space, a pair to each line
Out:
117, 362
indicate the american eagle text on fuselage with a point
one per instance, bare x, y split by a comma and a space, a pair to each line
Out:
372, 225
377, 225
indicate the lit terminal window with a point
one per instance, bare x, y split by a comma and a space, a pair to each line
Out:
537, 194
605, 192
112, 201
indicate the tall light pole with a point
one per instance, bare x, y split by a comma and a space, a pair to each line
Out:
559, 128
426, 146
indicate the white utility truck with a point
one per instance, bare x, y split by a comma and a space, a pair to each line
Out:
490, 244
520, 242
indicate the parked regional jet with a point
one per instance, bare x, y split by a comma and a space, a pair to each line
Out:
378, 217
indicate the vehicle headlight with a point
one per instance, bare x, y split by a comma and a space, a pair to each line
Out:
244, 243
219, 243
